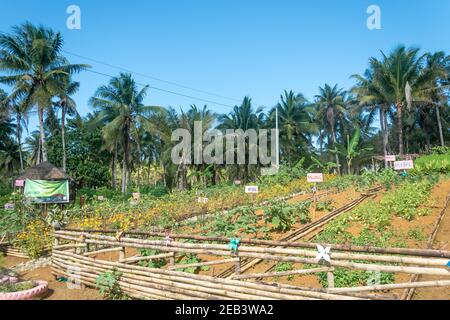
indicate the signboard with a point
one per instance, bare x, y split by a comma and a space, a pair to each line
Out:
237, 182
403, 165
20, 183
315, 177
203, 200
100, 198
43, 191
251, 189
390, 158
136, 196
9, 206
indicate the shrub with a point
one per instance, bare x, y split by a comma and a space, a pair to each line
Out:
434, 163
35, 239
108, 285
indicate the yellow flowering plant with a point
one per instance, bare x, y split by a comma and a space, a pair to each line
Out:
35, 239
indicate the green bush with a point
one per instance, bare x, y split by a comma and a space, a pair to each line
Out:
435, 163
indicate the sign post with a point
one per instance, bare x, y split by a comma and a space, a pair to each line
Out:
314, 178
390, 158
253, 191
403, 165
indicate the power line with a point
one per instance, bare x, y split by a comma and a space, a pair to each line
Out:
167, 91
150, 77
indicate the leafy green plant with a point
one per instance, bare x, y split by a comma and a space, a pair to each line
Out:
283, 267
344, 278
416, 234
108, 285
325, 206
16, 287
281, 215
154, 263
191, 258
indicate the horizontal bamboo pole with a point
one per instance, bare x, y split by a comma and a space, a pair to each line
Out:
69, 246
345, 264
220, 290
195, 289
94, 253
140, 258
424, 284
339, 247
182, 277
357, 266
143, 282
138, 291
282, 274
201, 264
335, 255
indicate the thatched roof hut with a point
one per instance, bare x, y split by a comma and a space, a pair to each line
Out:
45, 171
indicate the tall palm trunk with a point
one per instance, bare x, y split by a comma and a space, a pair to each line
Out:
400, 127
337, 155
126, 152
439, 121
138, 143
113, 169
19, 140
63, 134
384, 133
42, 135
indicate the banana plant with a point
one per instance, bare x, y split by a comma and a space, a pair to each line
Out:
352, 150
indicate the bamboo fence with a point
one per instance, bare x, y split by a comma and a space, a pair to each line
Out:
76, 250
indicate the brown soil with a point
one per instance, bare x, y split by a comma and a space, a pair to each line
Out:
442, 242
57, 290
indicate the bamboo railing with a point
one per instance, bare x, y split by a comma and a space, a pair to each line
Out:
76, 250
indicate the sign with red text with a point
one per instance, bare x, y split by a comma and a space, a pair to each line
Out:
251, 189
315, 177
390, 158
404, 165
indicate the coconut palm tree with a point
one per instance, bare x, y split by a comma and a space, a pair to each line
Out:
32, 58
434, 94
401, 76
244, 118
331, 110
296, 123
33, 148
372, 98
120, 104
68, 106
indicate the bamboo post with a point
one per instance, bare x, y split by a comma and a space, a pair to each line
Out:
330, 279
172, 259
237, 267
122, 255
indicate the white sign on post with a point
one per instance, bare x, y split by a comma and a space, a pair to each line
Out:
202, 200
251, 189
136, 196
315, 177
403, 165
390, 158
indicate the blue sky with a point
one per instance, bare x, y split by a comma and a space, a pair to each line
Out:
233, 48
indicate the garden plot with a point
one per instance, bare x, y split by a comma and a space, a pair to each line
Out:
407, 223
